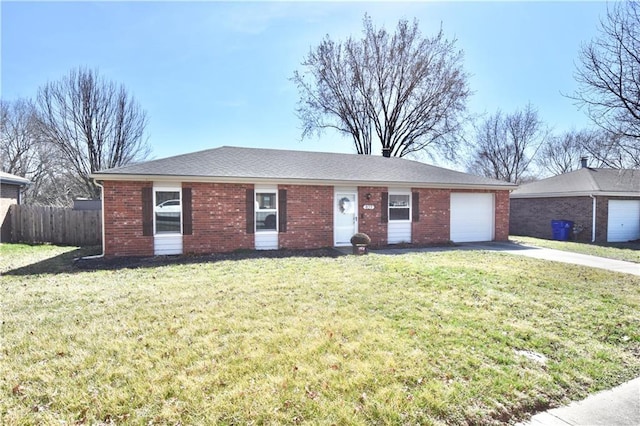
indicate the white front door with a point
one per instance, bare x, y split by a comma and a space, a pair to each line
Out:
345, 213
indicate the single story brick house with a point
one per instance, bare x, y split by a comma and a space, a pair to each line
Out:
230, 198
11, 187
603, 204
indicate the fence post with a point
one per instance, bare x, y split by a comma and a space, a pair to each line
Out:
14, 211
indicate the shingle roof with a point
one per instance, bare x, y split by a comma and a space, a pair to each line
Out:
13, 179
252, 164
585, 181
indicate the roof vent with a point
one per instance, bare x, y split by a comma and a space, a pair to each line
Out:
583, 162
386, 152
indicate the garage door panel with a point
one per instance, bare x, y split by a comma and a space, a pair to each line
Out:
472, 217
623, 223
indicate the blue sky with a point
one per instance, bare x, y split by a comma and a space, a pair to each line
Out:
217, 73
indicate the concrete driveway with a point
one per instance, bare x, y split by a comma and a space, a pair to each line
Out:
558, 256
529, 251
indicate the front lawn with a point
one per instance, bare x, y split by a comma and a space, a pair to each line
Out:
629, 252
426, 338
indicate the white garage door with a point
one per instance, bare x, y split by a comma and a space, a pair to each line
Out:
472, 217
624, 220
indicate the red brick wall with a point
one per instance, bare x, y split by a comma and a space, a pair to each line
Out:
309, 217
502, 209
533, 216
434, 224
369, 221
219, 218
435, 220
602, 220
123, 220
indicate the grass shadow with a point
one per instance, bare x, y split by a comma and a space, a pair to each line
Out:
74, 261
630, 245
399, 249
58, 264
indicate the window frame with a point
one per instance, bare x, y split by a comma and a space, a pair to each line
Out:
258, 191
408, 207
177, 189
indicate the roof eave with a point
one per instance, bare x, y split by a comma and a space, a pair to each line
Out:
16, 182
577, 194
261, 180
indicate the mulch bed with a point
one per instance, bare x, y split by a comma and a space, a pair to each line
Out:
153, 261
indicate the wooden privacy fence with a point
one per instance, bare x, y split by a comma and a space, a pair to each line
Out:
37, 224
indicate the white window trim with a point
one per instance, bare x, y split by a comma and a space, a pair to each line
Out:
259, 189
177, 189
404, 193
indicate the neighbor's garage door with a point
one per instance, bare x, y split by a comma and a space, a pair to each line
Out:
624, 220
472, 217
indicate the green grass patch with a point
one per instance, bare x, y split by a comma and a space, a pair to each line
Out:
423, 338
43, 258
629, 252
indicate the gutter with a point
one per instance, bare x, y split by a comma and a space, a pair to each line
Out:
300, 181
516, 195
101, 255
593, 219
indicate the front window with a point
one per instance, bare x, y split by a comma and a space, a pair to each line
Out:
266, 211
168, 212
399, 207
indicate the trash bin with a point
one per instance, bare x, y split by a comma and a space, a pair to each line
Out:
561, 229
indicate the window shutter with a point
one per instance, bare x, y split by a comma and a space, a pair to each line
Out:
251, 214
415, 206
384, 208
147, 211
187, 216
282, 210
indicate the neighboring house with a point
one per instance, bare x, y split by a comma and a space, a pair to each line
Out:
228, 198
83, 204
603, 204
10, 193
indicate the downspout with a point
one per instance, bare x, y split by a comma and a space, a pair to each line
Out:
593, 219
21, 191
98, 256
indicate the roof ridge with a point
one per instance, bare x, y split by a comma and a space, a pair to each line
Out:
594, 182
251, 164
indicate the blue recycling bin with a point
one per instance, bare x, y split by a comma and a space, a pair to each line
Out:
561, 229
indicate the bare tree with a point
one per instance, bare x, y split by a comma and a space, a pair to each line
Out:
94, 123
608, 75
563, 153
403, 89
506, 144
18, 138
613, 151
24, 153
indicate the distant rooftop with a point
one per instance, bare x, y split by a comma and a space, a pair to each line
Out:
584, 181
270, 165
13, 179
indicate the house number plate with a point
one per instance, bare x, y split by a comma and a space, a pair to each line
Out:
368, 207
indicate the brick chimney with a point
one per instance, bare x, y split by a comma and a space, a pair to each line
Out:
386, 152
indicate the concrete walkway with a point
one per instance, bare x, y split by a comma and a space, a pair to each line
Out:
619, 406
